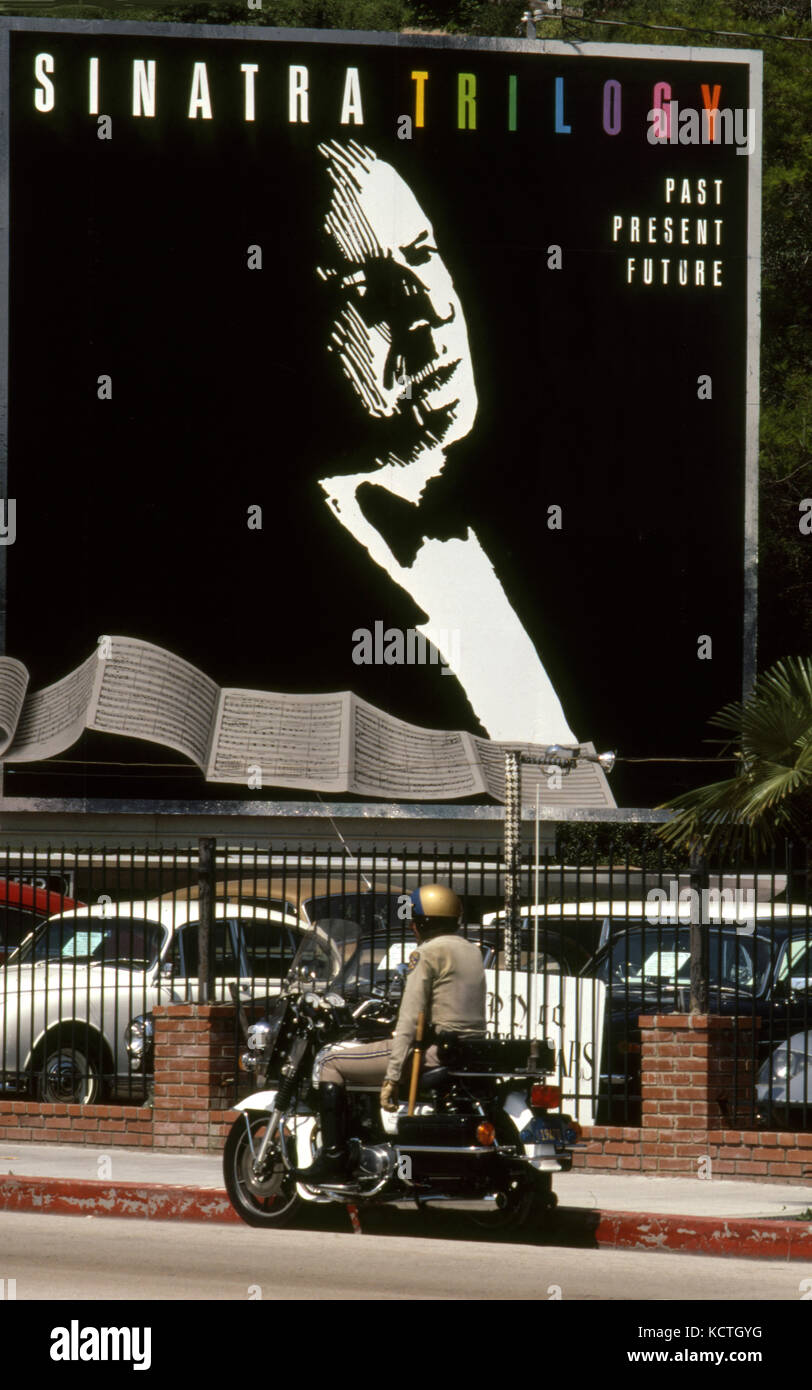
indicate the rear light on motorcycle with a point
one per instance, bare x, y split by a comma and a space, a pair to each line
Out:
545, 1097
486, 1134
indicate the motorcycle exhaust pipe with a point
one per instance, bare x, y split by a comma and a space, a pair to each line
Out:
489, 1203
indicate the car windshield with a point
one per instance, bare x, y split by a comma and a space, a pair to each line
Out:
375, 912
132, 944
795, 962
550, 956
661, 958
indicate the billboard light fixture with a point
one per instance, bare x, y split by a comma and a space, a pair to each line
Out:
552, 9
557, 755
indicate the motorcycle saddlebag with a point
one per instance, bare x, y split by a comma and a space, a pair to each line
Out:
442, 1131
497, 1055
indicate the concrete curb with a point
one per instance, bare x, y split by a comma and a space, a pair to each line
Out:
706, 1235
152, 1201
587, 1227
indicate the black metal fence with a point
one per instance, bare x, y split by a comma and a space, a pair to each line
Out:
91, 941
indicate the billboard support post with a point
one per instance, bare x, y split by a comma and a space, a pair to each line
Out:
205, 879
533, 1014
698, 937
512, 852
556, 756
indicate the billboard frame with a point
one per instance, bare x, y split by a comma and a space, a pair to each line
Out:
751, 59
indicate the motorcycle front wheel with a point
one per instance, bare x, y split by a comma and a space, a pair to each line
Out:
268, 1201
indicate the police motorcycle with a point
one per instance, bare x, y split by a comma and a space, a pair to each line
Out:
482, 1137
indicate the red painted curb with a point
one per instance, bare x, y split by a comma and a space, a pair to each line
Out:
706, 1235
621, 1230
151, 1201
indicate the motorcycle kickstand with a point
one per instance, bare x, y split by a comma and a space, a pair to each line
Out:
355, 1220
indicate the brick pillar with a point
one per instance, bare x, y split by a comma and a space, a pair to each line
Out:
696, 1076
195, 1059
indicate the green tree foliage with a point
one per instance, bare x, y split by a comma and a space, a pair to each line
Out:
622, 846
771, 794
296, 14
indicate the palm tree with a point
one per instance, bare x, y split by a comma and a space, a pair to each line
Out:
771, 793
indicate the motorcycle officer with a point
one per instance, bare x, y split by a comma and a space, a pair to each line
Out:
446, 982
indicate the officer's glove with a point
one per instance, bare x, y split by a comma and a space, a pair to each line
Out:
389, 1095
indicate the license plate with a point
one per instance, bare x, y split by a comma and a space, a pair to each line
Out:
539, 1132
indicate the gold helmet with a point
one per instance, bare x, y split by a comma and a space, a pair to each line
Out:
436, 906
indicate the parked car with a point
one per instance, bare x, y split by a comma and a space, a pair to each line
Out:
645, 965
566, 937
385, 921
381, 911
69, 992
375, 904
23, 906
784, 1085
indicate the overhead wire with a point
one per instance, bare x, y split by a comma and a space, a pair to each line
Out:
680, 28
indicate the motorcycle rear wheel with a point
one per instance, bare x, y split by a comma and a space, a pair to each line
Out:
525, 1203
271, 1201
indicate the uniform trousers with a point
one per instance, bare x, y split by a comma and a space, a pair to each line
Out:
364, 1064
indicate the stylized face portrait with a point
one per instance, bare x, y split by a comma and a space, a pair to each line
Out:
397, 329
397, 325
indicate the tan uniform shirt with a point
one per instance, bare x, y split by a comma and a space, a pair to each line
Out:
446, 982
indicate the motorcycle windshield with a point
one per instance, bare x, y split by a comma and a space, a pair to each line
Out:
341, 957
324, 960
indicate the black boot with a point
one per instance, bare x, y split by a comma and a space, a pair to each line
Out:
333, 1163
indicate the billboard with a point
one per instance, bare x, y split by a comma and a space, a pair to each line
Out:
365, 390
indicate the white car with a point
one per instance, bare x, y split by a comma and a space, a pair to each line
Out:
69, 992
784, 1085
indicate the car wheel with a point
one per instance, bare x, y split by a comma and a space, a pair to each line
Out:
268, 1201
68, 1075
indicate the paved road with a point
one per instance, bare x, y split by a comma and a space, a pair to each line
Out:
55, 1257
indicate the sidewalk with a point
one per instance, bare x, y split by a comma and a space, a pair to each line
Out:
627, 1210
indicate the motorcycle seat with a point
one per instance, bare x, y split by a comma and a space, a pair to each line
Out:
433, 1078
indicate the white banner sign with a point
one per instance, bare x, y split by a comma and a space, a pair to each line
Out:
569, 1012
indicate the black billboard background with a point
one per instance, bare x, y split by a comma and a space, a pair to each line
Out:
128, 257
